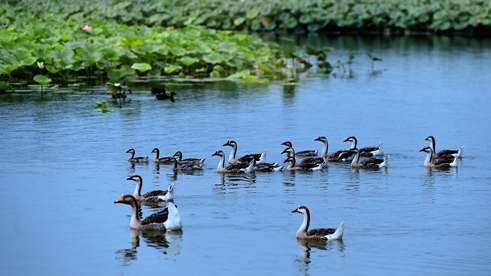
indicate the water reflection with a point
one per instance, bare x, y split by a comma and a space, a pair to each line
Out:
233, 181
168, 243
307, 246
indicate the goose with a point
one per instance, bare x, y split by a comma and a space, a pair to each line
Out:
288, 144
164, 96
165, 220
260, 157
344, 155
372, 151
161, 160
294, 166
152, 196
231, 168
186, 166
442, 153
318, 233
369, 162
313, 160
180, 160
266, 167
134, 159
432, 163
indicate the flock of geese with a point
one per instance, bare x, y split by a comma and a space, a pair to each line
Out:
169, 219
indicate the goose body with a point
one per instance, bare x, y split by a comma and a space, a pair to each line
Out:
372, 151
430, 161
312, 160
231, 168
180, 160
369, 162
344, 155
134, 159
186, 166
151, 196
288, 144
294, 166
259, 157
266, 167
319, 233
446, 152
161, 160
165, 220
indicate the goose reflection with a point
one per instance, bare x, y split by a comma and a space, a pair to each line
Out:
307, 249
234, 181
168, 243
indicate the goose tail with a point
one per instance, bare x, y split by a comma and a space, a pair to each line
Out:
384, 163
459, 153
338, 234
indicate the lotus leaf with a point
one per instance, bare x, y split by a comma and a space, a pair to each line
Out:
42, 79
142, 67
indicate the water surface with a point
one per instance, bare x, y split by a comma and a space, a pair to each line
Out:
64, 164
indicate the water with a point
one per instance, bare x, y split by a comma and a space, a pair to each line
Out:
64, 164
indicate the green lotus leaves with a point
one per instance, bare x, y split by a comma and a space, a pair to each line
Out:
213, 58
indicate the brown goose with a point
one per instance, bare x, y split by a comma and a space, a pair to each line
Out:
231, 168
369, 162
152, 196
260, 157
289, 144
318, 233
134, 159
162, 160
165, 220
294, 166
431, 162
445, 152
181, 160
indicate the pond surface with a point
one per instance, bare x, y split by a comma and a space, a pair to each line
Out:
64, 164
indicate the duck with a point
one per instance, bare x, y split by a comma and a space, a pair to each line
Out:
294, 166
369, 162
186, 166
157, 90
180, 160
231, 168
260, 157
344, 155
288, 144
165, 220
134, 159
446, 152
430, 161
162, 160
151, 196
325, 234
164, 96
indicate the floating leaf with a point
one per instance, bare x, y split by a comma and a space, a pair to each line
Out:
240, 74
42, 79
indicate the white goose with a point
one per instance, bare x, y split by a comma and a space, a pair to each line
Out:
152, 196
165, 220
430, 161
318, 233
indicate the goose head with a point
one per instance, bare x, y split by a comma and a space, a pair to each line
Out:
287, 144
230, 143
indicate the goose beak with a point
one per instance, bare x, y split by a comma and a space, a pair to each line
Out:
119, 200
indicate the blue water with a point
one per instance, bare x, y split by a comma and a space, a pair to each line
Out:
64, 164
